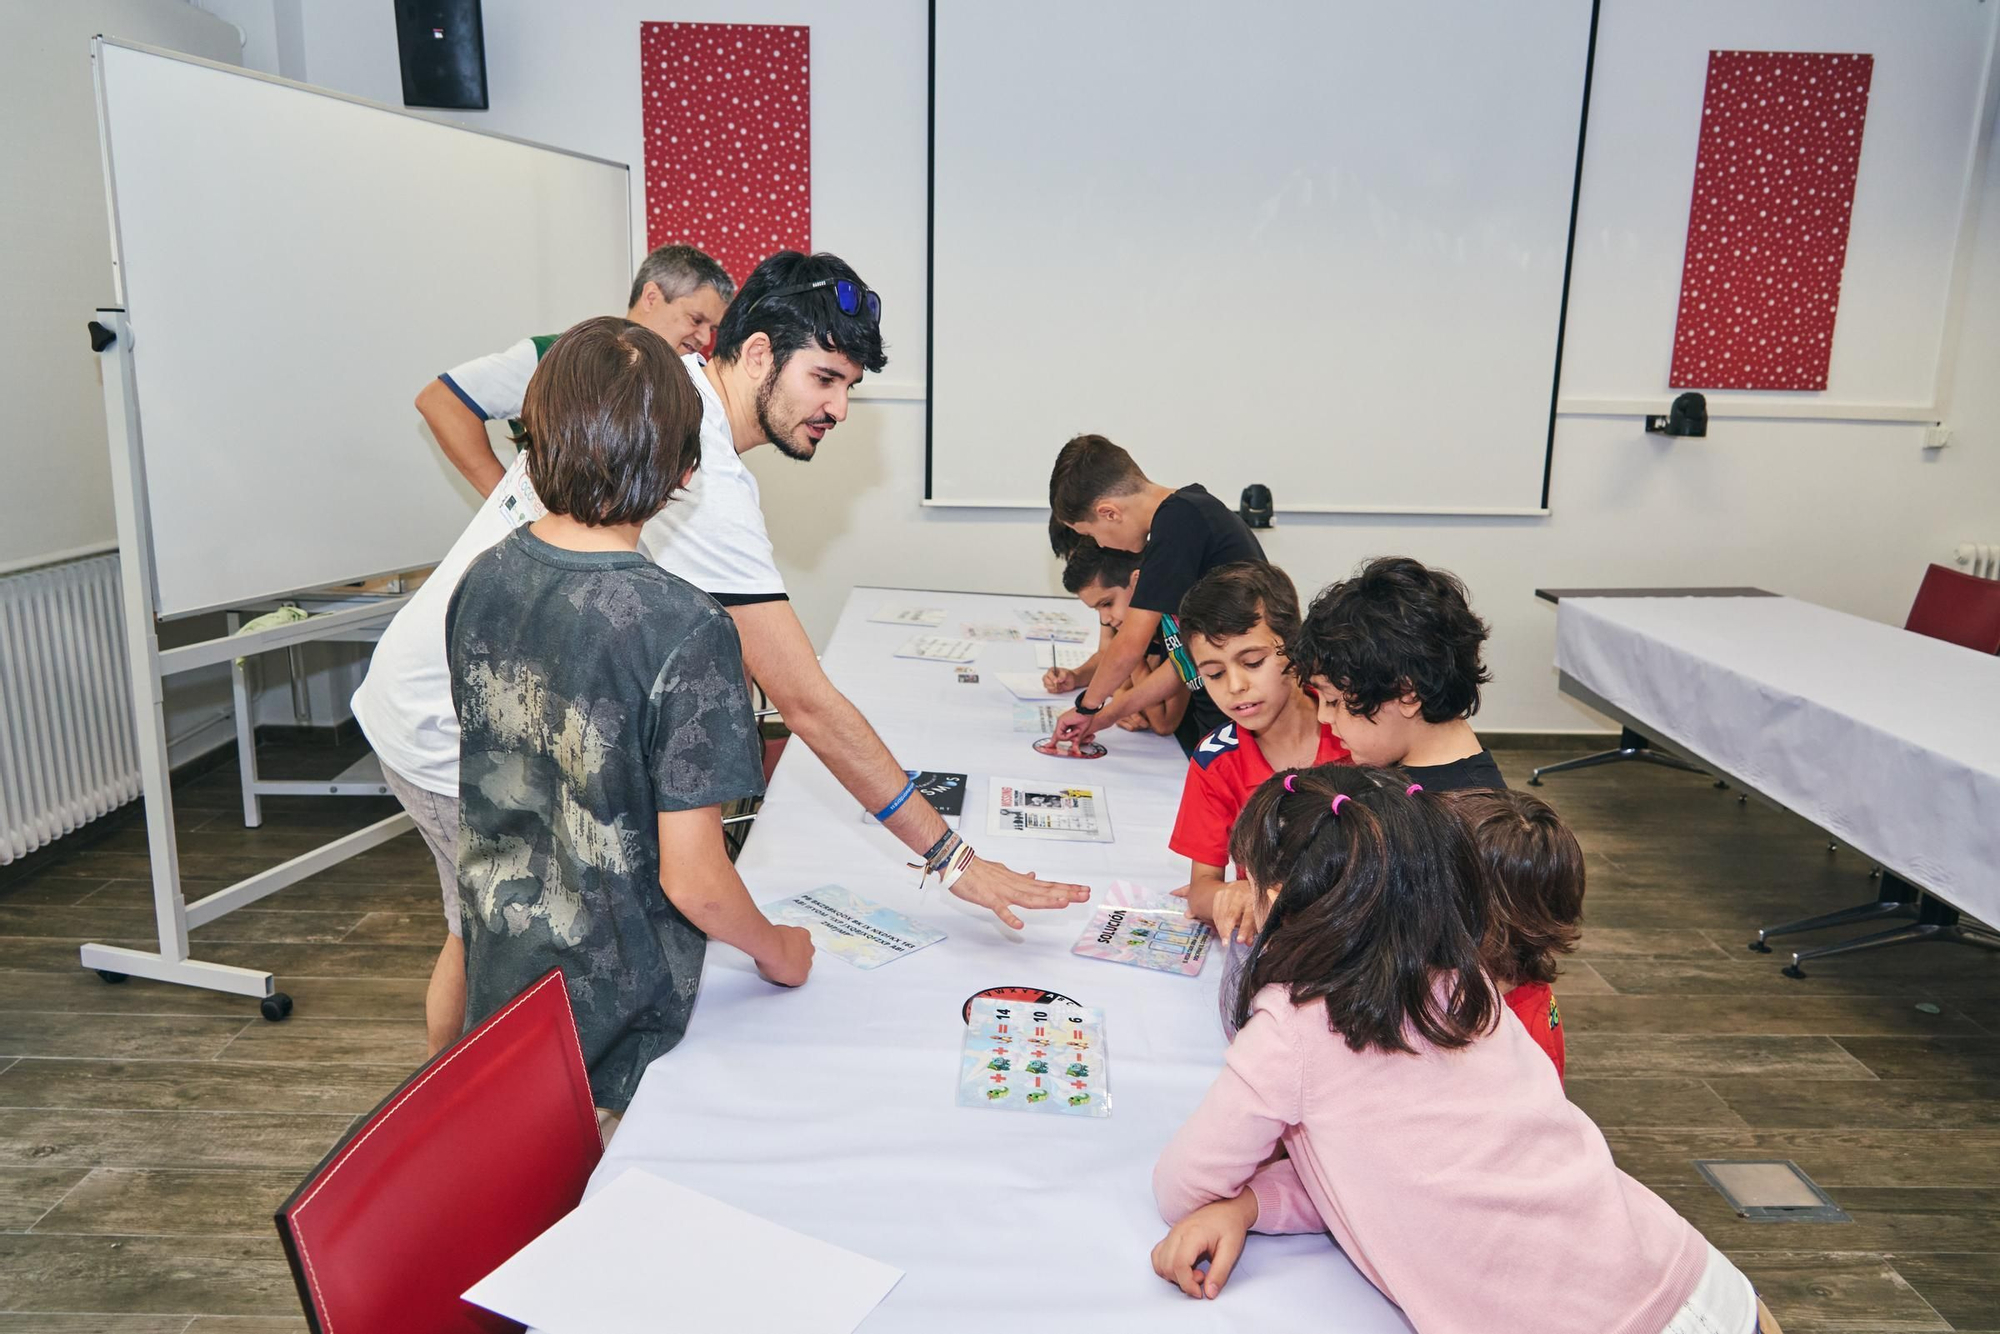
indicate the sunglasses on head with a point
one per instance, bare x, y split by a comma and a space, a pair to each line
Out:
851, 296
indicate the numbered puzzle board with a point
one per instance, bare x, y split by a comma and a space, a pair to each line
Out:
1035, 1058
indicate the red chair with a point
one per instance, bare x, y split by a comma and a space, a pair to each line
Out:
476, 1155
1960, 609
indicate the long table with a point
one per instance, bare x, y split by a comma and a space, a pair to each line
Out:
831, 1109
1887, 739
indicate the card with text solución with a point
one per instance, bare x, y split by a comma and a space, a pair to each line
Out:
852, 928
1072, 812
1034, 1058
897, 615
1166, 942
939, 648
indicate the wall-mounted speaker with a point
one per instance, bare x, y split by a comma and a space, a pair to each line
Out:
444, 54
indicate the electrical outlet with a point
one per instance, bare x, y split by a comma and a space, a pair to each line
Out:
1938, 436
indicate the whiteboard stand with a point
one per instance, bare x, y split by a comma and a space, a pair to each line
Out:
150, 666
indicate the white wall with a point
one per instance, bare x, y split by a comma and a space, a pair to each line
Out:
1845, 514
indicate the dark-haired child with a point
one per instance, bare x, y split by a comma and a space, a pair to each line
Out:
1098, 491
603, 721
1102, 578
1415, 1125
1235, 621
1537, 870
1394, 654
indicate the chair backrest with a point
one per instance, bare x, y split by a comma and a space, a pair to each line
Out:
476, 1154
1960, 608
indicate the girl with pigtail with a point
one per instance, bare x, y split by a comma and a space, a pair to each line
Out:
1373, 1091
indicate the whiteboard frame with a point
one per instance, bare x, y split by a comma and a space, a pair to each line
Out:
930, 499
144, 531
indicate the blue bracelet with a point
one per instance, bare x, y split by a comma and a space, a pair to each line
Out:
897, 804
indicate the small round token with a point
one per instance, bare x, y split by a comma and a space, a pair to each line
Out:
1019, 995
1069, 750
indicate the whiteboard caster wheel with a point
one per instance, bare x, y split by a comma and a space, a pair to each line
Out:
111, 977
275, 1007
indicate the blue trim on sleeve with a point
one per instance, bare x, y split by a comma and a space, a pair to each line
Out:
465, 398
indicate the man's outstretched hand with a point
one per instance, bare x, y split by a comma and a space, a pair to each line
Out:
1002, 889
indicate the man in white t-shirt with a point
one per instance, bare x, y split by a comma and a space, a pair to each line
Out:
795, 341
679, 293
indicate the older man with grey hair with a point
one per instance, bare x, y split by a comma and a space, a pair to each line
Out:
679, 293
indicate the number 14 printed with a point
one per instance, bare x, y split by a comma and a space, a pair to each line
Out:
1035, 1058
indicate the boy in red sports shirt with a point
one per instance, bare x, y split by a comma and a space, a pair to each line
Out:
1235, 622
1537, 869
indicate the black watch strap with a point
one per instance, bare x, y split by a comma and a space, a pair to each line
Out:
1085, 709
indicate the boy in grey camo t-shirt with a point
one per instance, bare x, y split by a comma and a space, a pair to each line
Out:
602, 710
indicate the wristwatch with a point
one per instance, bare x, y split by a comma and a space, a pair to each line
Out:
1085, 709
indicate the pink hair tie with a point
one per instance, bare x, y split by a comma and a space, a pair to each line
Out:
1338, 802
1413, 789
1288, 781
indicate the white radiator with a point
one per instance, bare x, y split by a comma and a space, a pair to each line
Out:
1980, 558
67, 752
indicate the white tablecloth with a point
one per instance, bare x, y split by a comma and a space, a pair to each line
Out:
831, 1109
1888, 740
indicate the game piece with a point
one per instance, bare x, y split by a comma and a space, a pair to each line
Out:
893, 615
1070, 750
1025, 995
939, 648
1166, 942
967, 677
1073, 812
1030, 1057
852, 928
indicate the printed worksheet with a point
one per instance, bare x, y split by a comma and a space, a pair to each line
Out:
939, 648
1040, 719
1061, 655
1072, 812
984, 633
1026, 685
1166, 942
852, 928
1034, 1058
901, 615
1046, 618
1060, 635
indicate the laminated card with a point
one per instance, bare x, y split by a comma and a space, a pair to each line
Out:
1072, 812
1021, 1057
852, 928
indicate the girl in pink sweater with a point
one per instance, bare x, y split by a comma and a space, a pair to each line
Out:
1373, 1092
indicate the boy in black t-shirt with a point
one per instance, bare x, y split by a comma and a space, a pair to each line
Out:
603, 720
1103, 579
1393, 654
1096, 490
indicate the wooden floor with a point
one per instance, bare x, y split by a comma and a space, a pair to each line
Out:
146, 1131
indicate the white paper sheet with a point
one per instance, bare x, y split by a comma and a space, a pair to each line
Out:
984, 632
939, 648
644, 1255
1027, 686
896, 614
1040, 808
1061, 655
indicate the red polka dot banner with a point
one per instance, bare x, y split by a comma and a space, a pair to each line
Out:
728, 115
1767, 231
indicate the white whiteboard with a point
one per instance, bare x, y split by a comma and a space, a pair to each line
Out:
1318, 246
295, 267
